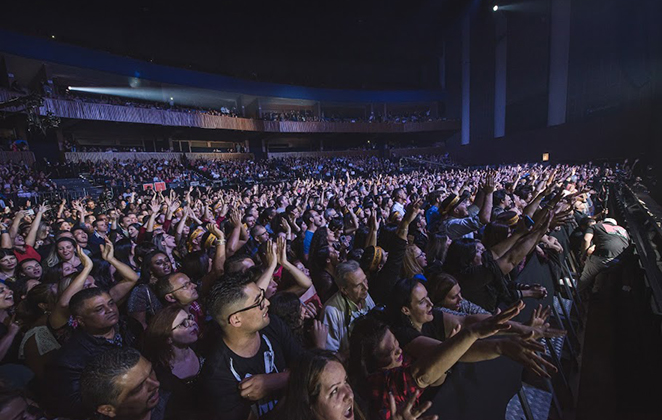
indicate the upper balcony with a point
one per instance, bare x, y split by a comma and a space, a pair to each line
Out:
84, 84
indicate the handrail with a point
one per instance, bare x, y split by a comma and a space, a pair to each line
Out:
641, 222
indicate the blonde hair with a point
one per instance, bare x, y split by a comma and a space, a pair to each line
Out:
410, 264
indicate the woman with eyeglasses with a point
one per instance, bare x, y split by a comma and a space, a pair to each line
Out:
168, 343
414, 263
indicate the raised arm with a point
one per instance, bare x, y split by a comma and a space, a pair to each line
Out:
485, 213
271, 263
60, 314
18, 218
517, 253
498, 250
34, 227
235, 242
130, 277
181, 224
303, 282
371, 239
429, 370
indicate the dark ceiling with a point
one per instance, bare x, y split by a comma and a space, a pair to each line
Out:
314, 43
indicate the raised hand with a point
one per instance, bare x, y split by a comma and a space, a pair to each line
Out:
541, 328
319, 333
497, 323
271, 256
107, 250
84, 259
524, 351
407, 411
281, 250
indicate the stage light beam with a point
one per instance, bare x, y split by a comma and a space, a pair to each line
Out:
495, 8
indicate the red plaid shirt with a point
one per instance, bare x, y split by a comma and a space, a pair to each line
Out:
398, 381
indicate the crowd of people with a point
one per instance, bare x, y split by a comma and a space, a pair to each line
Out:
311, 298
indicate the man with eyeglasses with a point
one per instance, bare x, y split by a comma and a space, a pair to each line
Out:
246, 370
178, 289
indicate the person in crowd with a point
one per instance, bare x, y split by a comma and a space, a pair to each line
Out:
121, 384
457, 221
178, 289
419, 328
291, 310
143, 302
8, 264
169, 344
247, 370
100, 328
603, 243
414, 263
348, 303
379, 369
482, 276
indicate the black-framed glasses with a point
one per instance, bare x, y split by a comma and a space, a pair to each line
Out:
185, 286
259, 303
189, 321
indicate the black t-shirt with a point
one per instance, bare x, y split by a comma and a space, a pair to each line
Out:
485, 285
610, 240
223, 370
405, 333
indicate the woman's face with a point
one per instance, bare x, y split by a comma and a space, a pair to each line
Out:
480, 249
161, 265
336, 398
67, 268
453, 298
65, 226
65, 250
8, 263
6, 297
271, 289
32, 269
169, 241
390, 351
133, 232
184, 329
420, 306
420, 257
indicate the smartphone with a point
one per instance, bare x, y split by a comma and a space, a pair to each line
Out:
30, 212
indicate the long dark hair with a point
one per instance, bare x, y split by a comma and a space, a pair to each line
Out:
460, 255
287, 307
123, 249
196, 265
304, 386
368, 332
494, 233
146, 267
400, 296
156, 346
439, 285
29, 311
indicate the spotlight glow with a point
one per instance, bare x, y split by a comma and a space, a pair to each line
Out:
495, 8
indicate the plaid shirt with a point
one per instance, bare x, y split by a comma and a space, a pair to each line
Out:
398, 381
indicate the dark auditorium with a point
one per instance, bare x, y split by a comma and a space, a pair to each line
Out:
363, 210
